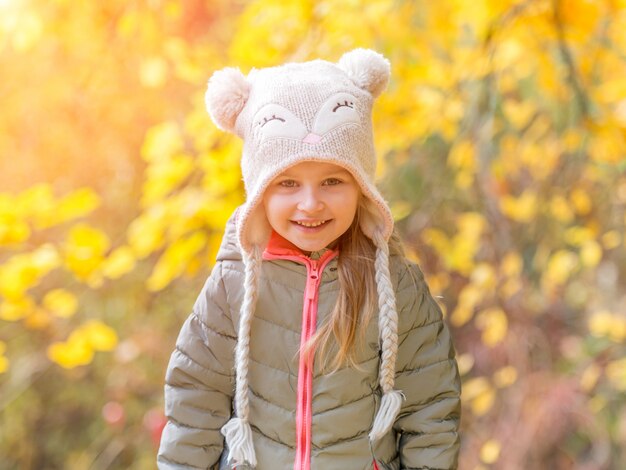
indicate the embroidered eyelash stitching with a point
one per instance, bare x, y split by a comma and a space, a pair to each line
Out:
273, 118
345, 103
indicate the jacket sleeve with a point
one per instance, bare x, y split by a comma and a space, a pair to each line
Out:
199, 383
427, 374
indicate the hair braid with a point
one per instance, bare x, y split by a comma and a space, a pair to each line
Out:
237, 431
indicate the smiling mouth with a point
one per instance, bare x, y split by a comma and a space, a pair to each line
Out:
311, 224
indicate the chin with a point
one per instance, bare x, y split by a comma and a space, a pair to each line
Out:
310, 248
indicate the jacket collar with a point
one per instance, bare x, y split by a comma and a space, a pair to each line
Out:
281, 247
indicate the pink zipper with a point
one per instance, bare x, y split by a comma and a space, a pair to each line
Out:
305, 369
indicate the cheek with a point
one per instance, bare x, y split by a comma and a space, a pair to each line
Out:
274, 205
349, 204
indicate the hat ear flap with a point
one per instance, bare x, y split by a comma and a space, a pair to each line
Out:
367, 69
227, 93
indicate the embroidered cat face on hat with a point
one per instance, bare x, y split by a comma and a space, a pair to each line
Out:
311, 111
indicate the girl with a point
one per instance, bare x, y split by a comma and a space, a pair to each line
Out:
314, 344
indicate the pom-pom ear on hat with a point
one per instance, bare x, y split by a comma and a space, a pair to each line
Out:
367, 69
226, 95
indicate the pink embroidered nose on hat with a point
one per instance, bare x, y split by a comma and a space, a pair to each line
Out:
309, 111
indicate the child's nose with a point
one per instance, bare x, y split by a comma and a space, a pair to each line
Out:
310, 201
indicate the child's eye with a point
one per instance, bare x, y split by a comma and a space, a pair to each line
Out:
332, 182
287, 184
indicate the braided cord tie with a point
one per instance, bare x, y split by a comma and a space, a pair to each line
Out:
388, 333
237, 431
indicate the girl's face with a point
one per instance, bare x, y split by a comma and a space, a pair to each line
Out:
312, 204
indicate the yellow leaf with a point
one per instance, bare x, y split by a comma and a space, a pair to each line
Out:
512, 264
84, 250
578, 235
494, 325
213, 245
616, 373
161, 142
600, 323
490, 451
100, 336
37, 203
591, 254
606, 324
118, 263
510, 52
560, 209
13, 230
175, 259
479, 394
471, 224
541, 158
153, 72
505, 377
483, 402
263, 44
60, 302
510, 287
596, 403
45, 258
611, 240
400, 210
465, 362
519, 113
617, 333
590, 377
572, 139
38, 319
607, 146
437, 282
469, 297
463, 155
436, 239
580, 17
165, 175
521, 209
17, 276
581, 201
14, 310
561, 266
77, 204
23, 271
483, 276
71, 354
474, 387
4, 361
146, 233
460, 253
611, 90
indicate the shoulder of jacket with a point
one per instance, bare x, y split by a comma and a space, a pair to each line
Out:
406, 273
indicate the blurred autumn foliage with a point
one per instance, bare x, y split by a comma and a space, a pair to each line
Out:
502, 143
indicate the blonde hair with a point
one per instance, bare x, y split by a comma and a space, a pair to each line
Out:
337, 341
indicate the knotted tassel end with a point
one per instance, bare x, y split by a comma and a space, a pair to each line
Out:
387, 413
238, 436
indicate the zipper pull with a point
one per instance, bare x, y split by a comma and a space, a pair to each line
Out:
312, 278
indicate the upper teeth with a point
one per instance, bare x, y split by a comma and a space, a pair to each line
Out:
310, 224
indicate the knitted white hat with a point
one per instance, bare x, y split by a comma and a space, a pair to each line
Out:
311, 111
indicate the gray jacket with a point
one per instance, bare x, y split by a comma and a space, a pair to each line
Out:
200, 376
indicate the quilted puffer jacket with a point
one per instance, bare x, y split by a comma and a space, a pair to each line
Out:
333, 435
